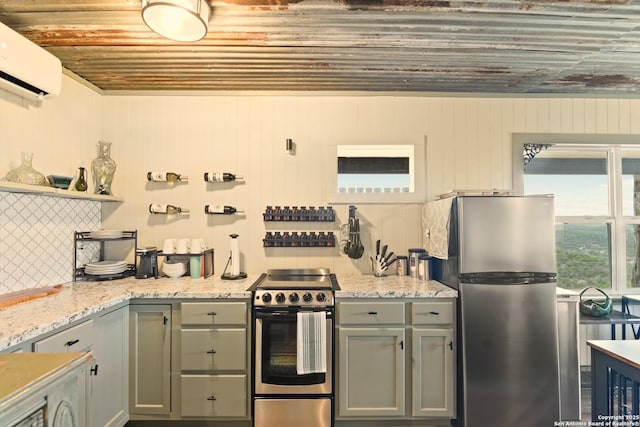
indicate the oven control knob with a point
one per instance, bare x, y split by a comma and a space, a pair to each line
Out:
307, 297
280, 297
321, 297
266, 297
294, 297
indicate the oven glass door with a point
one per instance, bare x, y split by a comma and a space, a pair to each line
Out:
276, 355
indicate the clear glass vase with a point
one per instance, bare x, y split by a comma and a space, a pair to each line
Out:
103, 168
26, 174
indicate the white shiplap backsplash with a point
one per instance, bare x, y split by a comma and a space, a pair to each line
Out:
36, 238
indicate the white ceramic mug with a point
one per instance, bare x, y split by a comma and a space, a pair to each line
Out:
182, 246
169, 246
196, 246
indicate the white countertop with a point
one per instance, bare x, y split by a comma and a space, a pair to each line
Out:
78, 300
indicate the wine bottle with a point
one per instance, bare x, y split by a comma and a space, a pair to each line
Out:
166, 177
221, 210
220, 177
158, 208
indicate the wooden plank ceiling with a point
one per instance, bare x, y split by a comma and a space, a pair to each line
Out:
494, 46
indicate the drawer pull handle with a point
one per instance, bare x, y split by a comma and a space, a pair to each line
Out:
434, 313
211, 398
373, 313
211, 313
211, 351
72, 342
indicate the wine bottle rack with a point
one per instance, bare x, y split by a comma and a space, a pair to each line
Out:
299, 214
303, 239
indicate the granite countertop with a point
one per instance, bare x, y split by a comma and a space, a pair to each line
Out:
78, 300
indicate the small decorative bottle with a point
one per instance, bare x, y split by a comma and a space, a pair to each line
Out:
103, 168
81, 183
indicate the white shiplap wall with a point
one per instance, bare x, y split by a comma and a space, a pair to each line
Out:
468, 147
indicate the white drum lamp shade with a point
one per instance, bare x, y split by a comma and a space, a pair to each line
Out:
179, 20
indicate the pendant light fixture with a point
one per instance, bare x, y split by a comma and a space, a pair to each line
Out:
179, 20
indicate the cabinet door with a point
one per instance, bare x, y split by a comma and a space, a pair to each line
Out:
433, 373
110, 398
371, 366
149, 359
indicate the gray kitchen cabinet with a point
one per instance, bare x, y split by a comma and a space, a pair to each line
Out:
103, 390
390, 347
213, 360
371, 359
77, 338
224, 395
433, 356
371, 380
433, 373
110, 397
149, 359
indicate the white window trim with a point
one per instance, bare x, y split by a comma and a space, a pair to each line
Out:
615, 146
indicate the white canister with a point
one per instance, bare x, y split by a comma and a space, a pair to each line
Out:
414, 254
424, 267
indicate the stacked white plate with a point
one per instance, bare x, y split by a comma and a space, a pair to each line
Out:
105, 267
106, 234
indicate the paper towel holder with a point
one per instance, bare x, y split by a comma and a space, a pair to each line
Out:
234, 261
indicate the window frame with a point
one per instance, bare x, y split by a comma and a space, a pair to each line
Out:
615, 146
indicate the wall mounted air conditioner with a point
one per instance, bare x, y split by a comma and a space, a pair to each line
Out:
27, 69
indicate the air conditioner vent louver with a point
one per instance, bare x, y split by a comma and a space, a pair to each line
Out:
22, 84
27, 69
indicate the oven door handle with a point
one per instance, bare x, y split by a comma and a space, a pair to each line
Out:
260, 314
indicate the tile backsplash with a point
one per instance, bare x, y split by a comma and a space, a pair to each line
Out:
36, 238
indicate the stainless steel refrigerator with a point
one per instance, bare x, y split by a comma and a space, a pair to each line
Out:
501, 258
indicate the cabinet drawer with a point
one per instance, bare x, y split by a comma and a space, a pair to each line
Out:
214, 395
76, 338
214, 313
432, 313
214, 349
370, 313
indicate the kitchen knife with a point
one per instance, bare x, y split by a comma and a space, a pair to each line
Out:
384, 251
377, 249
387, 265
385, 261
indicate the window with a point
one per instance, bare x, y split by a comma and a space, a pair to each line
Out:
597, 204
376, 173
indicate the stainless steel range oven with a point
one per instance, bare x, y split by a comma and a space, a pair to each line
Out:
293, 341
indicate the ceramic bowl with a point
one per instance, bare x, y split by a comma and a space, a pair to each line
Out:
59, 181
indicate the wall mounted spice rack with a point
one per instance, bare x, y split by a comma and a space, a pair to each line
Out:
303, 239
81, 237
302, 213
